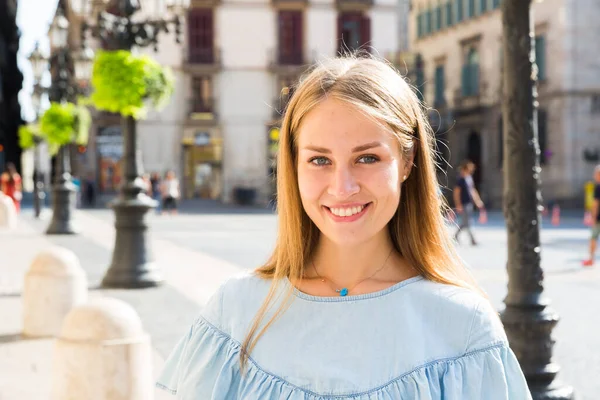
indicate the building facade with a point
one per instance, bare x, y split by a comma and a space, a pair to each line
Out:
11, 82
458, 45
235, 70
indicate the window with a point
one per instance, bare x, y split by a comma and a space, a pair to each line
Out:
354, 31
449, 15
595, 103
483, 6
290, 38
200, 36
470, 74
202, 101
439, 99
438, 18
500, 142
540, 56
428, 24
459, 10
420, 25
470, 8
495, 4
542, 117
419, 77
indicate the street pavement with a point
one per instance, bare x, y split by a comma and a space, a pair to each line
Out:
202, 246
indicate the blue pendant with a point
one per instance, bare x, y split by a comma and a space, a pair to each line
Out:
343, 292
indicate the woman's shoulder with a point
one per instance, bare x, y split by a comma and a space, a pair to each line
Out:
463, 310
236, 301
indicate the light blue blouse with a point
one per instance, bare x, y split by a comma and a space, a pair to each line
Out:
414, 340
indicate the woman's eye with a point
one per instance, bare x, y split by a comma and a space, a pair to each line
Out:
319, 161
368, 159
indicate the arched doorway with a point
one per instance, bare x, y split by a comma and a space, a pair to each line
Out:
474, 154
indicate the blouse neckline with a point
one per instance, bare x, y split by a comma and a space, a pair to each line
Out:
365, 296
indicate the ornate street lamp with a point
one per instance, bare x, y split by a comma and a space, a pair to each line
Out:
132, 263
64, 87
528, 319
39, 64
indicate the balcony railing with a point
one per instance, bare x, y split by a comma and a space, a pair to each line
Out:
354, 3
202, 109
203, 56
291, 60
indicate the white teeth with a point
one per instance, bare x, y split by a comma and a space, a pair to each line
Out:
346, 212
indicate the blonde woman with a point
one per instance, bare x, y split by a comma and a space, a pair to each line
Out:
364, 297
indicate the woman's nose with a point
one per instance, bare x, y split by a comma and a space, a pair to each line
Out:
343, 183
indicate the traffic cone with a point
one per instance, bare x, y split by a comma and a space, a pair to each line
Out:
587, 219
556, 215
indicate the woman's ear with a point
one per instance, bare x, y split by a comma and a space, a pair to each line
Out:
409, 160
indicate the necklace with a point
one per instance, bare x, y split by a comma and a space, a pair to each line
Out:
344, 291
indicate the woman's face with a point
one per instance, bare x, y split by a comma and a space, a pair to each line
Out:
350, 172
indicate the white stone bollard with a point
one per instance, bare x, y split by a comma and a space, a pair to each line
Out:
8, 212
103, 353
54, 284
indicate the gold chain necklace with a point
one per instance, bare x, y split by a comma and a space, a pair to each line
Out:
344, 291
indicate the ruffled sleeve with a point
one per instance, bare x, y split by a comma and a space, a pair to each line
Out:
200, 353
492, 373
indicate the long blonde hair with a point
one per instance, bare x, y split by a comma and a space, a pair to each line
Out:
417, 229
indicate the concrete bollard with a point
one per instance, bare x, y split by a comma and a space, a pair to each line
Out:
8, 212
103, 353
54, 284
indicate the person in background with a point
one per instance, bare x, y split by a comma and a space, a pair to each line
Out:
77, 182
465, 195
170, 193
595, 218
10, 185
147, 184
155, 186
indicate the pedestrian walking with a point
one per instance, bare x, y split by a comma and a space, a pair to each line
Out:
156, 192
364, 296
465, 196
170, 193
11, 186
595, 218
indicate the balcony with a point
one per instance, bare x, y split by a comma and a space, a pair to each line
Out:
201, 112
289, 2
202, 61
354, 4
289, 63
467, 103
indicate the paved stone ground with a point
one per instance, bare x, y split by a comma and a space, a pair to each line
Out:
197, 251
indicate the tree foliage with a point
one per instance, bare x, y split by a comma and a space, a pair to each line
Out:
122, 83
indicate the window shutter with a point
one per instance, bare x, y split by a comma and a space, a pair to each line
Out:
365, 33
483, 6
449, 15
340, 24
540, 56
200, 35
438, 19
542, 119
459, 10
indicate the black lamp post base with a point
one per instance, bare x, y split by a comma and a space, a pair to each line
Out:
555, 391
63, 204
133, 265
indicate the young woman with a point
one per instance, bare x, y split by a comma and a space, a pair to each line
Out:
10, 185
364, 297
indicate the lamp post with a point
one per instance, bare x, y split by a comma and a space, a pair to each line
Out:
527, 318
39, 64
133, 264
64, 88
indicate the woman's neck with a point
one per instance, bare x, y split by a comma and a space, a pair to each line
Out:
347, 265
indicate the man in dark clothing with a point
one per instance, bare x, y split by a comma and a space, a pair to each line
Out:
595, 217
465, 195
